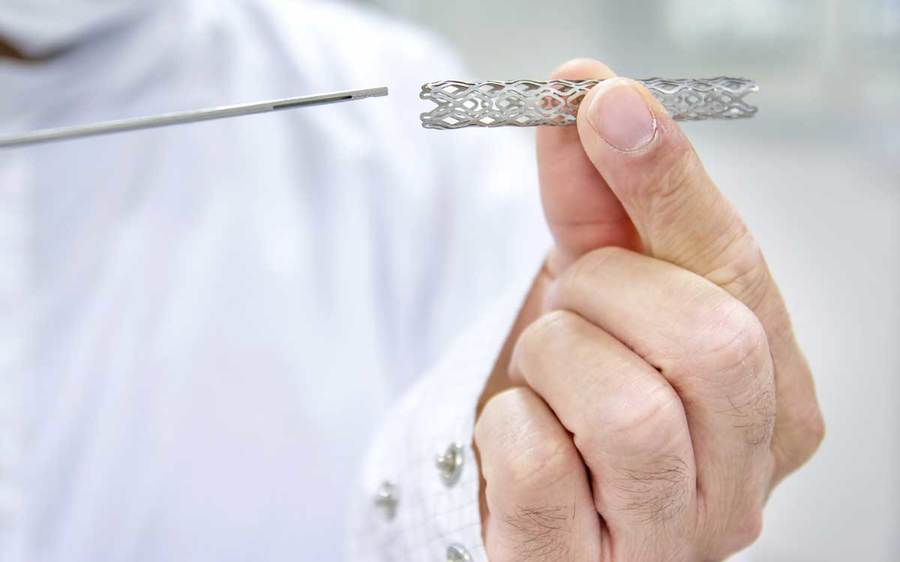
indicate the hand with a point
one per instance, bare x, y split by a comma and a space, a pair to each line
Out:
663, 394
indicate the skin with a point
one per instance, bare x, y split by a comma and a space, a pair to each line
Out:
652, 393
8, 51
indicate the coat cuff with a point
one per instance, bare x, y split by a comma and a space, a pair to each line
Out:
418, 497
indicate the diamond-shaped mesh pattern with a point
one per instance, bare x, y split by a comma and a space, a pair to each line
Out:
526, 103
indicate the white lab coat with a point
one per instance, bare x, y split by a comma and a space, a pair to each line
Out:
203, 325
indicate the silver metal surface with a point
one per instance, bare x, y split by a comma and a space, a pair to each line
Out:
450, 464
137, 123
457, 553
386, 499
527, 103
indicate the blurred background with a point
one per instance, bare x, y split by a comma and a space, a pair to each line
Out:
817, 176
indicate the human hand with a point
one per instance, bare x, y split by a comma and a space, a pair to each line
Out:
662, 392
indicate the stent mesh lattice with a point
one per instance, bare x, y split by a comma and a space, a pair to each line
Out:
527, 103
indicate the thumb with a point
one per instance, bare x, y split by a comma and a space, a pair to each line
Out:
647, 161
582, 212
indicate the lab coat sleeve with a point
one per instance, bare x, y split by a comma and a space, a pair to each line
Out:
425, 517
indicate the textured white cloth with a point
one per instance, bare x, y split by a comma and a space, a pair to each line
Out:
431, 516
203, 325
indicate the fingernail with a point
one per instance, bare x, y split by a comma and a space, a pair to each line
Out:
619, 114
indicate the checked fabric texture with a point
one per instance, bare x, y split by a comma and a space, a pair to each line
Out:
527, 103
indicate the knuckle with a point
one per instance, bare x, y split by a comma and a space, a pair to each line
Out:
656, 492
545, 332
748, 528
795, 445
731, 354
538, 461
540, 532
743, 272
485, 426
815, 431
587, 268
649, 417
500, 416
680, 166
518, 450
736, 531
583, 276
731, 340
813, 428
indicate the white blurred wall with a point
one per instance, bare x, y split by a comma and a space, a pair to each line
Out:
817, 176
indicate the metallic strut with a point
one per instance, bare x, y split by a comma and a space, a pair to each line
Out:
527, 103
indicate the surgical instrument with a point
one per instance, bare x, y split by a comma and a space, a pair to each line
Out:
137, 123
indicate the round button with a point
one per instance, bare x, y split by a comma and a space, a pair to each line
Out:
386, 499
456, 553
450, 464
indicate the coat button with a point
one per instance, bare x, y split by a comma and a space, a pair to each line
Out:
386, 499
450, 464
456, 553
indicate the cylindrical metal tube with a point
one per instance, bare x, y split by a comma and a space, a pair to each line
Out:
527, 103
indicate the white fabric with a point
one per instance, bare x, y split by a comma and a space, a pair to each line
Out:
39, 27
431, 516
203, 324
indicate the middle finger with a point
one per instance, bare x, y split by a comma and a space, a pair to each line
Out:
629, 426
